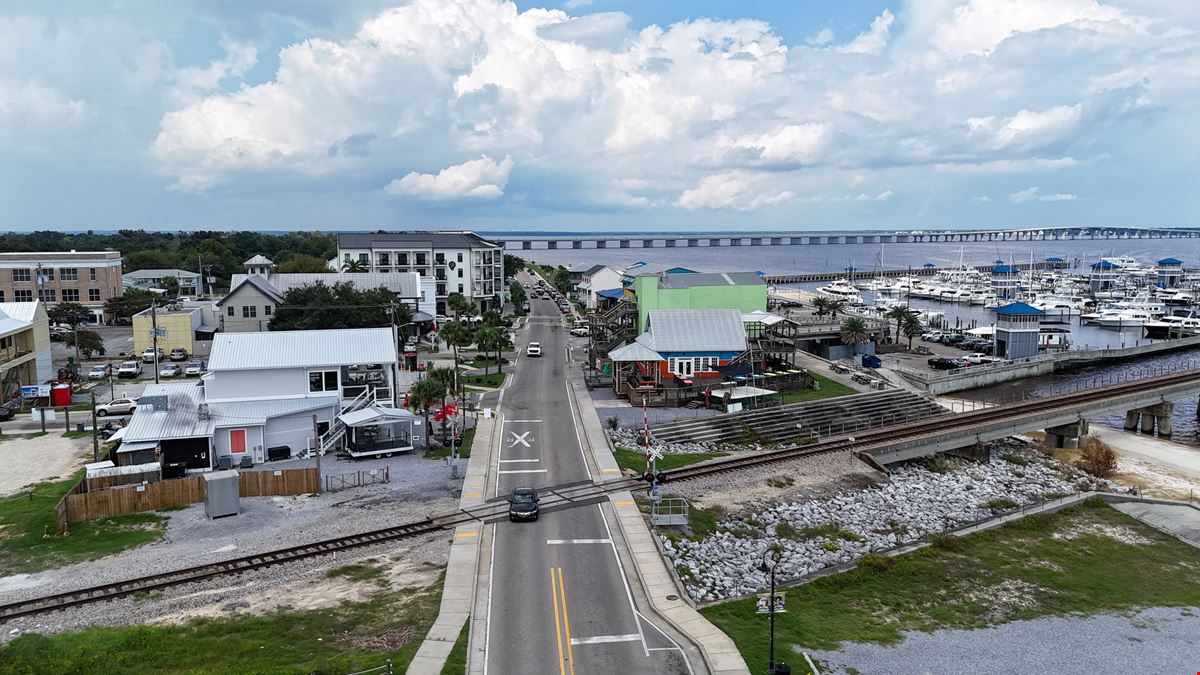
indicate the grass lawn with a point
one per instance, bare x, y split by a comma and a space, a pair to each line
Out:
635, 461
77, 434
35, 434
1101, 561
829, 389
489, 380
350, 637
464, 451
456, 663
23, 521
482, 363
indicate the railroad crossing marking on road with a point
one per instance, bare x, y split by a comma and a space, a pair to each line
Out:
522, 438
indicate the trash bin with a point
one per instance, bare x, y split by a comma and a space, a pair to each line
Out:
79, 427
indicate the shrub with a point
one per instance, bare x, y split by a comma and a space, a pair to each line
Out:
1097, 458
830, 546
946, 542
1000, 504
612, 422
1015, 459
875, 563
781, 481
786, 531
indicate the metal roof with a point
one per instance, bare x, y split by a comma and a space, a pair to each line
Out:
1170, 261
160, 273
254, 281
693, 279
376, 414
301, 349
634, 351
697, 330
16, 316
413, 240
403, 284
1018, 308
237, 413
612, 293
180, 419
759, 316
1103, 265
1005, 269
259, 259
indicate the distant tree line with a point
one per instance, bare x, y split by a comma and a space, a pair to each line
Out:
223, 251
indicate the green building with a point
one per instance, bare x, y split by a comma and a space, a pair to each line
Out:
745, 291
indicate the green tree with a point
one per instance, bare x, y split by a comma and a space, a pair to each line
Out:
460, 305
446, 378
147, 260
134, 300
854, 332
354, 266
512, 265
516, 293
423, 394
911, 325
897, 314
302, 264
836, 306
319, 306
561, 279
490, 338
171, 286
492, 318
69, 313
821, 304
89, 341
456, 335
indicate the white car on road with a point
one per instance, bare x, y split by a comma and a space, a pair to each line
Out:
120, 406
534, 349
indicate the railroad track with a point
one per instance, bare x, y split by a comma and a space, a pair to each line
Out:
578, 494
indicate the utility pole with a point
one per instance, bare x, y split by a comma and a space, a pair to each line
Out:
95, 432
317, 443
154, 335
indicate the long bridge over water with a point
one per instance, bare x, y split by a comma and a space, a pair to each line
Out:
678, 240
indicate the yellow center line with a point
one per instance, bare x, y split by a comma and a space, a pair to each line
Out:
562, 589
557, 625
466, 534
623, 502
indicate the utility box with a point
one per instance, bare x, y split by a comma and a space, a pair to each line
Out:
221, 494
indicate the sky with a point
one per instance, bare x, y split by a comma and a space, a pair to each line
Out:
598, 115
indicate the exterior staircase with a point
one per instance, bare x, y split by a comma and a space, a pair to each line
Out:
337, 430
609, 330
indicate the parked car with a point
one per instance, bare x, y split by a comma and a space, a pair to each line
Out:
977, 358
932, 336
944, 363
194, 368
179, 354
534, 349
118, 406
6, 413
129, 368
171, 370
151, 354
100, 372
523, 504
580, 331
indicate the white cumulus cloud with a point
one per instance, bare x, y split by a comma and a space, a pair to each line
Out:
874, 39
733, 190
1031, 194
482, 178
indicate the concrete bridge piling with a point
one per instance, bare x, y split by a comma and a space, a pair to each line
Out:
1066, 435
1152, 418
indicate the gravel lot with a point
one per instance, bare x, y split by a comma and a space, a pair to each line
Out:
1157, 640
35, 460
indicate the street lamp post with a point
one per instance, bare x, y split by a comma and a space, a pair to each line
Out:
770, 561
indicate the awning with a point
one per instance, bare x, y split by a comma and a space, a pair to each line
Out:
205, 328
633, 352
376, 414
612, 293
421, 317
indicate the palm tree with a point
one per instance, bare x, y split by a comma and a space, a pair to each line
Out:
854, 332
821, 304
492, 318
911, 325
835, 305
489, 338
423, 394
447, 378
460, 305
456, 334
897, 314
354, 266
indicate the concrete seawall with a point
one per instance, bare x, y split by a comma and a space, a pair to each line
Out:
974, 377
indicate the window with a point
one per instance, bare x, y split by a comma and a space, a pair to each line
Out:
92, 273
402, 259
362, 258
47, 274
1, 296
440, 258
70, 274
266, 310
93, 295
460, 256
421, 259
460, 273
441, 289
383, 259
230, 310
323, 381
70, 295
23, 295
249, 311
48, 295
22, 274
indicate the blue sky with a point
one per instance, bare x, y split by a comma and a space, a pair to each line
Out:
600, 115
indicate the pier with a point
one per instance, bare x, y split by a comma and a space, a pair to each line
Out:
676, 240
851, 275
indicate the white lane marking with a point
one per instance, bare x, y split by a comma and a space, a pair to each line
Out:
522, 421
553, 542
487, 628
578, 439
518, 461
601, 639
625, 582
522, 438
687, 662
524, 471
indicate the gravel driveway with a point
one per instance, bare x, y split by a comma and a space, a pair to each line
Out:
34, 460
1157, 640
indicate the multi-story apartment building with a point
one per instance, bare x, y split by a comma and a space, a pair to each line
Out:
458, 261
24, 347
86, 277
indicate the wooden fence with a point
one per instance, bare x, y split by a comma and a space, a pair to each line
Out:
116, 480
81, 505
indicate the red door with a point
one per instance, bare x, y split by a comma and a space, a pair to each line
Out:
237, 440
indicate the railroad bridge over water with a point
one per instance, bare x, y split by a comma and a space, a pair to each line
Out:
682, 240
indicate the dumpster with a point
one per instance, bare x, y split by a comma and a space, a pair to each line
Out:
871, 361
60, 395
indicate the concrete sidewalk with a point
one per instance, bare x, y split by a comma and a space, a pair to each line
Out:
720, 653
1179, 520
592, 436
459, 590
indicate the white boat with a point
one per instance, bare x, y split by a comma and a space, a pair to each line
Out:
1125, 318
1172, 327
841, 290
980, 296
1053, 306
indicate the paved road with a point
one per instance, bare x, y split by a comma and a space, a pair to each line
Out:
559, 602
